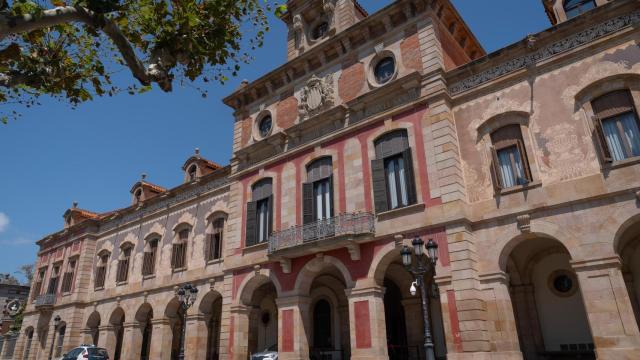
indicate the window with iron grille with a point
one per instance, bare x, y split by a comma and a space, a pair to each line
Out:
214, 243
617, 126
179, 253
101, 271
123, 264
53, 281
67, 280
37, 288
509, 166
149, 259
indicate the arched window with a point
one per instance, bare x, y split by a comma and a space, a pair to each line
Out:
510, 166
101, 269
617, 125
179, 250
27, 347
260, 213
214, 240
149, 258
317, 192
193, 172
392, 172
573, 8
322, 338
62, 329
123, 263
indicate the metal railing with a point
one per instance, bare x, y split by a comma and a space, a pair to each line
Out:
342, 225
46, 300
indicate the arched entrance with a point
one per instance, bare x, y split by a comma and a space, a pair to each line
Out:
547, 302
211, 307
144, 315
117, 322
93, 325
629, 251
175, 314
263, 319
404, 316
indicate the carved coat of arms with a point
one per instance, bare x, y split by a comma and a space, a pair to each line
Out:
316, 96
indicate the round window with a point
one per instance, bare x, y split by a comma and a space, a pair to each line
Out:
384, 69
264, 127
320, 31
563, 283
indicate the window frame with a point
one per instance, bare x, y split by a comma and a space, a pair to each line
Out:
504, 144
577, 6
612, 114
124, 263
215, 237
259, 195
180, 247
101, 270
69, 275
149, 257
54, 275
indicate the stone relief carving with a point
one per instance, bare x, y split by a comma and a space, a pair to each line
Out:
568, 43
564, 156
316, 96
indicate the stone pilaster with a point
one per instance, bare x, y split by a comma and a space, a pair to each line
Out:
293, 335
107, 338
367, 323
523, 300
239, 332
161, 339
609, 310
195, 346
415, 327
131, 341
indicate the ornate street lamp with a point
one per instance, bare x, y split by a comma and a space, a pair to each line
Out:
426, 264
56, 323
186, 297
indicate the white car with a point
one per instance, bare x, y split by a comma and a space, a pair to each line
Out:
86, 352
270, 353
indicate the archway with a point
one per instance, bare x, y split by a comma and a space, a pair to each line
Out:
628, 241
404, 315
175, 313
549, 310
93, 325
117, 321
211, 307
263, 319
144, 315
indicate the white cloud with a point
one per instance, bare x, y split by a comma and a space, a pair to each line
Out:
4, 222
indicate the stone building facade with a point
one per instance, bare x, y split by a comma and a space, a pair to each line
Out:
521, 164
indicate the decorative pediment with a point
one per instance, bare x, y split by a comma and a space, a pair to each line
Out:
317, 96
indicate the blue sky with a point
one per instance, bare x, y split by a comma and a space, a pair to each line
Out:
54, 155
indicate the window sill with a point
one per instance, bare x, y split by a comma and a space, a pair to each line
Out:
621, 163
120, 283
148, 277
256, 247
178, 270
215, 261
519, 188
98, 288
389, 214
66, 293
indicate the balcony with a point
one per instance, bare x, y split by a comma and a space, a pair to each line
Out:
345, 230
45, 301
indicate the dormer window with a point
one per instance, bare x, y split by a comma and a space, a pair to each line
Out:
193, 172
138, 195
573, 8
320, 30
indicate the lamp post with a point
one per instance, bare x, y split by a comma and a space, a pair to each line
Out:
186, 296
56, 323
425, 264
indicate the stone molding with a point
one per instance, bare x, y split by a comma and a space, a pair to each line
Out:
569, 43
500, 277
611, 262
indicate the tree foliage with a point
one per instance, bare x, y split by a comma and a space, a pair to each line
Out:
71, 49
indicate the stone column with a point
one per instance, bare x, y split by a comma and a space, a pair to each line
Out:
131, 341
415, 328
501, 322
609, 310
239, 332
293, 327
195, 344
367, 324
107, 338
161, 338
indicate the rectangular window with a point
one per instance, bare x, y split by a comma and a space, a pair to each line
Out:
397, 192
38, 285
123, 266
178, 258
53, 282
149, 259
67, 280
510, 167
101, 272
322, 199
622, 136
214, 244
263, 220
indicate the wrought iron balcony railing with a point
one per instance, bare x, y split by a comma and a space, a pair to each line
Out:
343, 225
46, 300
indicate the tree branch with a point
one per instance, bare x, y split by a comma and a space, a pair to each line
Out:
154, 72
